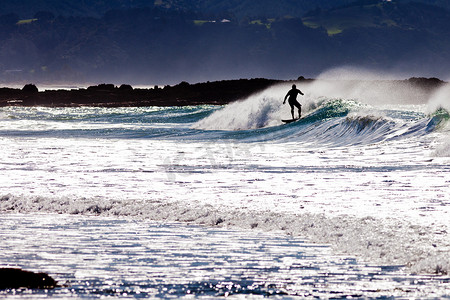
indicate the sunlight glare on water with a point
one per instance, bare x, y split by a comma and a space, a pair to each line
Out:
96, 257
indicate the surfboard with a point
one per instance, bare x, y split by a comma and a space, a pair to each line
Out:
290, 120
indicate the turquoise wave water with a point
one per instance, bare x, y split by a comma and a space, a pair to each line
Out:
329, 121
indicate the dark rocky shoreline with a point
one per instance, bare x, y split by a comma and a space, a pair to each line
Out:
182, 94
108, 95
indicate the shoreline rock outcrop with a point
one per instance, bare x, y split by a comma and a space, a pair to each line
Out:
12, 278
182, 94
108, 95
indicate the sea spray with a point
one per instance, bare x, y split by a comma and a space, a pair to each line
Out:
440, 100
259, 110
371, 87
439, 108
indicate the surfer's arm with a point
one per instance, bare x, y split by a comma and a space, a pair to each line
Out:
285, 97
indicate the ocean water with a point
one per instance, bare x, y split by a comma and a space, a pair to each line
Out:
353, 200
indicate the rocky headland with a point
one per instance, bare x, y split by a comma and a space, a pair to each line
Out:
182, 94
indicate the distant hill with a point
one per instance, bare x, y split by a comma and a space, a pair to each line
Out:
253, 8
186, 40
379, 14
226, 8
26, 9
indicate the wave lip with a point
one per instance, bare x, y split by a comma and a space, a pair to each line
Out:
325, 121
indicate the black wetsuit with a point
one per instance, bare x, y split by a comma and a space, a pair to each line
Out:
292, 94
293, 97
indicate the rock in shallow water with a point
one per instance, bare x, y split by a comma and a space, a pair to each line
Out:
11, 278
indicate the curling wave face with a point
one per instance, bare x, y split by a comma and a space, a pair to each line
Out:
324, 122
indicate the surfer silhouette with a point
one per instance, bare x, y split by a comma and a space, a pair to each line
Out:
292, 94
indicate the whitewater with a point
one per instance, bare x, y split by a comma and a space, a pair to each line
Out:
352, 200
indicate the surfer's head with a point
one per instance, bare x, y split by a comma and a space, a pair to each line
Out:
294, 86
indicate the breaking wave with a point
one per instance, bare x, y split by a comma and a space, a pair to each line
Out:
325, 121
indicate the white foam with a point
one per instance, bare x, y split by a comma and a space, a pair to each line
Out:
443, 148
258, 110
387, 241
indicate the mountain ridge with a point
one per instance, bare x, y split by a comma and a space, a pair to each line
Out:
26, 9
163, 46
96, 8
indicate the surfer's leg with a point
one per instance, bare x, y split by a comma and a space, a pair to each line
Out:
292, 111
299, 107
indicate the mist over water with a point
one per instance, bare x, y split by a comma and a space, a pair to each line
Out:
440, 99
371, 87
259, 110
